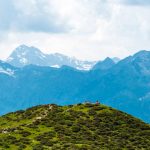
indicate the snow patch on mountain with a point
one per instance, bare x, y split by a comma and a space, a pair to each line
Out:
23, 60
7, 71
55, 66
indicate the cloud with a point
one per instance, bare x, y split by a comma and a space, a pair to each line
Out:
134, 2
82, 28
51, 16
57, 16
29, 16
7, 13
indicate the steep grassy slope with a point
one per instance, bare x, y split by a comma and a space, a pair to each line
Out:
74, 127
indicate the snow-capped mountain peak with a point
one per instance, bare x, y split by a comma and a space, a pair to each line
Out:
25, 55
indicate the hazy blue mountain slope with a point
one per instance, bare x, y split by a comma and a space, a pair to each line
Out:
125, 86
104, 65
34, 85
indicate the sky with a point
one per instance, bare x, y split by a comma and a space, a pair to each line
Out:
86, 29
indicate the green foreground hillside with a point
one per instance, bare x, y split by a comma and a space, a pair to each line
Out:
74, 127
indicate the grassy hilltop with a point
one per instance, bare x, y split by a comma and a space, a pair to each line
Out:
74, 127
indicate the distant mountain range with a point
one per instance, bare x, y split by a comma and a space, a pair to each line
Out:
124, 85
25, 55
